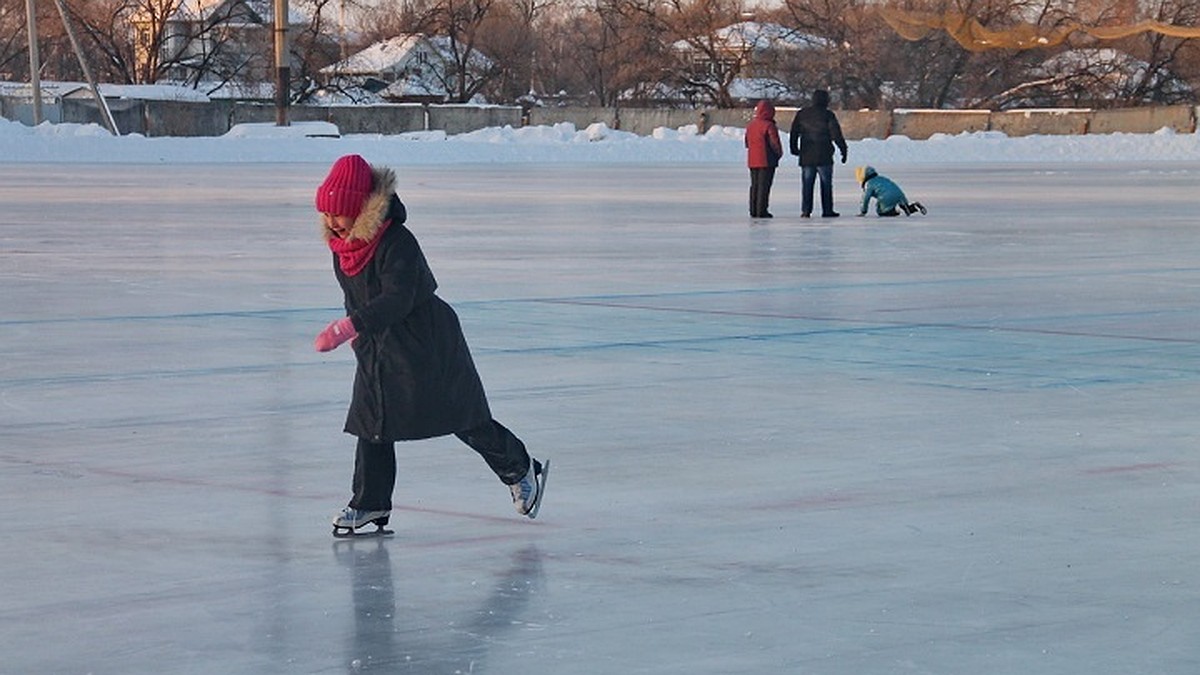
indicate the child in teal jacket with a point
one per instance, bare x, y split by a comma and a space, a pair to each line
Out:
889, 198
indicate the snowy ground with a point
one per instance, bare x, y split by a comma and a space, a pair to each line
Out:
951, 444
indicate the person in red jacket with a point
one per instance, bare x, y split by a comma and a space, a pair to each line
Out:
763, 151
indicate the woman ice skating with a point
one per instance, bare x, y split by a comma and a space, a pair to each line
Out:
889, 198
415, 377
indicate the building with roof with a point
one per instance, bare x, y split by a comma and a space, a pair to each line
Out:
215, 39
411, 67
744, 61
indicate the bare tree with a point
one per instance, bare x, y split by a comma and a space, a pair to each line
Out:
631, 52
318, 44
1161, 81
510, 38
554, 69
14, 63
606, 52
828, 68
1039, 52
458, 28
148, 41
57, 59
706, 60
939, 70
137, 41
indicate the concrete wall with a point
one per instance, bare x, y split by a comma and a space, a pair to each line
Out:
181, 118
1049, 122
860, 124
581, 117
458, 119
372, 119
1179, 118
126, 113
176, 118
643, 121
731, 118
921, 124
19, 110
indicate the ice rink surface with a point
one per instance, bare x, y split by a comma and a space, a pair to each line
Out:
954, 444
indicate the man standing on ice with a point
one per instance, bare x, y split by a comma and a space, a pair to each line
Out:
814, 134
415, 377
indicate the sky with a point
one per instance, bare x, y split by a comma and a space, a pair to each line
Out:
563, 143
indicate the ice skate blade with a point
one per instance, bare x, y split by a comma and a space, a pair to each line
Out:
541, 481
347, 532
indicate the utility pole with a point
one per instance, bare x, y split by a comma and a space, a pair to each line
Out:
87, 72
35, 61
283, 72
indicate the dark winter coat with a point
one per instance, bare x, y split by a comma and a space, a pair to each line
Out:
415, 377
814, 133
763, 148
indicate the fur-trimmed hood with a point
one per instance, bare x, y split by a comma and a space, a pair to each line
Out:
375, 210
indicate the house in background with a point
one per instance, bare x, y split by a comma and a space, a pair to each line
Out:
216, 40
745, 61
408, 68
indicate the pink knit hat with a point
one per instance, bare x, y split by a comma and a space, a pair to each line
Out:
346, 188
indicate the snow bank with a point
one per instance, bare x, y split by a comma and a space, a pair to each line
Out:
561, 143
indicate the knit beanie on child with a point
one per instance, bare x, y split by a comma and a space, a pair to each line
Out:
346, 188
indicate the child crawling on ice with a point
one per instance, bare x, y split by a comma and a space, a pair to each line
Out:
889, 198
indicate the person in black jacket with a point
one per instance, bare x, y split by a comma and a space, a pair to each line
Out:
814, 133
415, 377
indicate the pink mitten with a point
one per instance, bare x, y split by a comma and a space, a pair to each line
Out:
335, 334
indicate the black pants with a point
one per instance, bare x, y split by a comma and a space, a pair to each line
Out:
375, 463
760, 190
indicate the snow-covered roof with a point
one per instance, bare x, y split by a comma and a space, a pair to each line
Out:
1114, 66
740, 89
152, 92
378, 57
1109, 59
142, 92
751, 88
49, 89
240, 91
413, 87
394, 52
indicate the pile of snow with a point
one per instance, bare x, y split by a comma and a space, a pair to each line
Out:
295, 130
560, 143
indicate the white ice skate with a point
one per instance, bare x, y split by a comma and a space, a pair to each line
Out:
527, 492
346, 523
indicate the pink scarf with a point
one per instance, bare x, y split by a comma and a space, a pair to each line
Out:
354, 254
